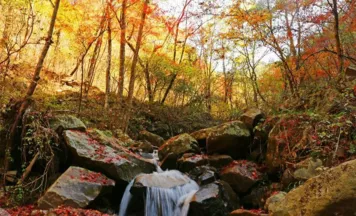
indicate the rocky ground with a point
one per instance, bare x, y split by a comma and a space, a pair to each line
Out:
286, 165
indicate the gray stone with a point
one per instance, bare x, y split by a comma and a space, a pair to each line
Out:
76, 187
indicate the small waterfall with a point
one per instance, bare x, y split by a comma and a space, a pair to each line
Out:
183, 205
162, 200
126, 198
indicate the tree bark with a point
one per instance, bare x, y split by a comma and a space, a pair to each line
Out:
122, 50
137, 50
31, 89
108, 69
337, 37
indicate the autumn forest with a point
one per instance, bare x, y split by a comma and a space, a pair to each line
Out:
177, 108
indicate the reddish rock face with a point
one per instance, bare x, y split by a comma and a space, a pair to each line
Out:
76, 187
241, 175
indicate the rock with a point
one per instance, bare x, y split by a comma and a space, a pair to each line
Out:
66, 122
203, 175
305, 173
244, 212
169, 179
179, 145
331, 193
252, 117
287, 178
154, 139
117, 163
216, 199
169, 162
188, 162
219, 161
256, 199
106, 138
202, 135
142, 146
273, 200
230, 138
76, 187
241, 175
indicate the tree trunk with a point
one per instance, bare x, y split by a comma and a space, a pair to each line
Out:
337, 37
108, 69
92, 65
122, 51
135, 58
31, 89
148, 83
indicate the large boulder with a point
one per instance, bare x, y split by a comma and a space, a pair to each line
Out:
231, 138
117, 163
178, 145
331, 193
152, 138
241, 175
216, 199
66, 122
252, 117
76, 187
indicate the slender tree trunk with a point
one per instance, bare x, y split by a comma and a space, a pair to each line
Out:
337, 37
31, 89
92, 65
122, 51
108, 69
137, 50
169, 87
148, 83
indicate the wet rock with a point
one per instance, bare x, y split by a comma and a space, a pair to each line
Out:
203, 175
169, 162
216, 199
188, 162
154, 139
330, 193
252, 117
244, 212
76, 187
169, 179
241, 175
66, 122
231, 138
179, 145
117, 163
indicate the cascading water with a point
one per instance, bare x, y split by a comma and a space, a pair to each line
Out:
161, 199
